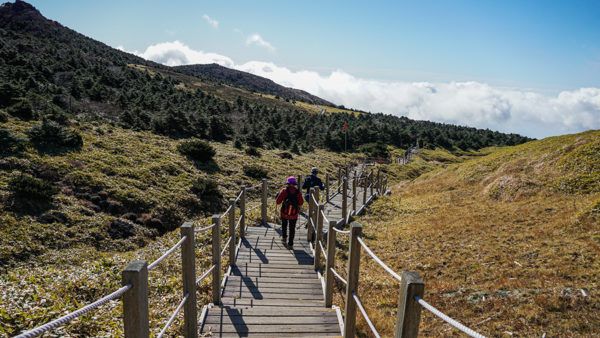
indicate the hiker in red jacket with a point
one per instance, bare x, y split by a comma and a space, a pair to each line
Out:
290, 199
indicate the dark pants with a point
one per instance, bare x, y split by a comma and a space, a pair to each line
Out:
284, 228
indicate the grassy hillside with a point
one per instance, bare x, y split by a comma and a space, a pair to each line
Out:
507, 243
115, 199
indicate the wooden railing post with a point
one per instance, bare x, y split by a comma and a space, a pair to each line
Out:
263, 211
188, 269
352, 287
354, 193
319, 236
242, 230
371, 182
216, 259
339, 181
330, 264
327, 181
344, 198
135, 300
365, 186
233, 240
378, 182
409, 311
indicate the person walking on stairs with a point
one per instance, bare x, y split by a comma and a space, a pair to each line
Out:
312, 181
290, 199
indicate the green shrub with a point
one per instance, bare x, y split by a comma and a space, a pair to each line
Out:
255, 171
22, 110
197, 150
3, 116
9, 143
238, 144
207, 190
253, 151
52, 136
378, 150
29, 194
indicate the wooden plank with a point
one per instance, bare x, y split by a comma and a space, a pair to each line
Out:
270, 302
278, 279
282, 328
272, 311
272, 286
258, 295
226, 319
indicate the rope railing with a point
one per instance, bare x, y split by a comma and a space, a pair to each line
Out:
227, 211
204, 228
77, 313
449, 320
239, 221
173, 316
166, 254
226, 246
345, 232
323, 250
205, 274
337, 275
365, 315
379, 261
325, 219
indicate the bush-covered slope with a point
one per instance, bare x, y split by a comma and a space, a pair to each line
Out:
48, 71
507, 243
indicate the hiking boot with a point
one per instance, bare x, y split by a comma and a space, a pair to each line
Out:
284, 240
290, 245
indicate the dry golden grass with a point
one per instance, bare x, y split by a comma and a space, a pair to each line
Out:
521, 259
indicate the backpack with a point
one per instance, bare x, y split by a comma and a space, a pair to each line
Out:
290, 204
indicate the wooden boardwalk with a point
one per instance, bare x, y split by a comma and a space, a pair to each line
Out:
272, 290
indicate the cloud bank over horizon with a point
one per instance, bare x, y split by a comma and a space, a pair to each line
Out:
469, 103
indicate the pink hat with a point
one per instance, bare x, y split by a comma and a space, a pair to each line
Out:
291, 180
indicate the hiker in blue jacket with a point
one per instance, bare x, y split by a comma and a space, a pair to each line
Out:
312, 181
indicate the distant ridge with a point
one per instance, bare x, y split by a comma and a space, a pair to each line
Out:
217, 73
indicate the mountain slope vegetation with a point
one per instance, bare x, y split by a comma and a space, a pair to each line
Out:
506, 243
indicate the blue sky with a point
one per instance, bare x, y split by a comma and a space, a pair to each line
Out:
540, 47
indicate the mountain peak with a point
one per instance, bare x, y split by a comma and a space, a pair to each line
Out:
21, 15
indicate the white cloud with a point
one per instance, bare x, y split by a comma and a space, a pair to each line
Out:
256, 39
467, 103
214, 23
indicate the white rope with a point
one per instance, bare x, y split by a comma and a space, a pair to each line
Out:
448, 320
323, 250
68, 317
173, 316
226, 245
238, 222
205, 274
341, 231
227, 211
205, 228
325, 219
365, 316
337, 275
378, 260
239, 196
166, 254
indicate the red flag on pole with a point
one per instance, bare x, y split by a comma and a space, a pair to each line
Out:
345, 126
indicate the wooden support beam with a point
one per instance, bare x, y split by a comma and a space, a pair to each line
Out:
319, 236
409, 310
135, 300
327, 182
233, 240
263, 209
242, 230
344, 197
216, 259
188, 270
352, 287
330, 264
354, 186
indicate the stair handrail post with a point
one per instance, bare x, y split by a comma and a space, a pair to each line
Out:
327, 182
242, 230
263, 209
339, 179
409, 310
371, 183
216, 259
352, 287
365, 185
233, 240
135, 300
188, 270
344, 198
319, 236
354, 184
330, 264
378, 181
